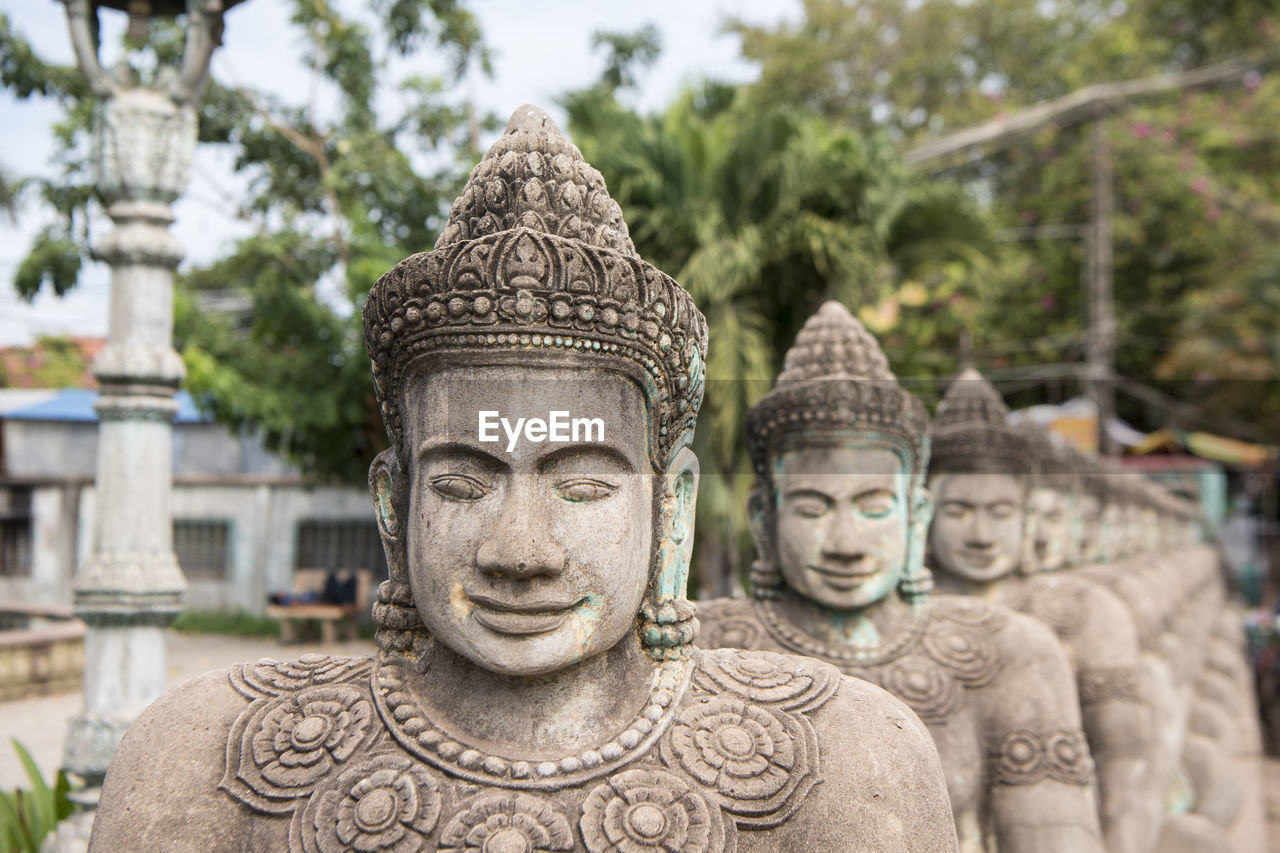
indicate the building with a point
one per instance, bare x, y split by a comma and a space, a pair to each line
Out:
243, 520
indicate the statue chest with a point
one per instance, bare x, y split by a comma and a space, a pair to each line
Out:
937, 669
334, 754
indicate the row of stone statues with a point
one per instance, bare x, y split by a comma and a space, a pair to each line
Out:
1074, 612
1066, 678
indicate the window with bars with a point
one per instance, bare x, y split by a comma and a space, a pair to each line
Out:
202, 547
15, 532
344, 544
15, 547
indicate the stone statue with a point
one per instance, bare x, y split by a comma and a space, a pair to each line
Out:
536, 687
840, 514
994, 485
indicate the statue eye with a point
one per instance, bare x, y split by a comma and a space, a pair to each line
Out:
955, 510
809, 507
1001, 510
876, 504
584, 489
459, 487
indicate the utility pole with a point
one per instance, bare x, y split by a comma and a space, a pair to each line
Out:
1100, 380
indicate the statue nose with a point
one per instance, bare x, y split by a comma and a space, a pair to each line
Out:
517, 556
842, 542
521, 544
980, 532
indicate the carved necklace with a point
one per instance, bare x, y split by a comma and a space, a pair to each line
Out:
413, 729
796, 640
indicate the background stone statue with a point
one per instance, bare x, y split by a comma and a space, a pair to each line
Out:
1005, 498
536, 687
840, 515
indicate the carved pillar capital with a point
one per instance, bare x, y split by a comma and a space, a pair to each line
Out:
143, 142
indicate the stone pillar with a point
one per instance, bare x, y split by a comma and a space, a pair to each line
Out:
130, 588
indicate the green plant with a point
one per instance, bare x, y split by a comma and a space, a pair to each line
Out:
26, 817
240, 623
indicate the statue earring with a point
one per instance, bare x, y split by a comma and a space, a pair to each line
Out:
766, 580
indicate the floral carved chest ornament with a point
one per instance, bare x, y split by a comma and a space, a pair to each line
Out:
535, 272
333, 745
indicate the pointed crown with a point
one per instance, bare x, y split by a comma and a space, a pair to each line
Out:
1053, 464
971, 431
536, 257
835, 383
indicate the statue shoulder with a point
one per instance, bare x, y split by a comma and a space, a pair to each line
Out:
177, 773
162, 784
1024, 640
1094, 616
731, 623
882, 755
714, 609
966, 611
1002, 626
864, 745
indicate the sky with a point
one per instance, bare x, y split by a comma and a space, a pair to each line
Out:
542, 49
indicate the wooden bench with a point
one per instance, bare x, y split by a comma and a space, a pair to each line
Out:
330, 617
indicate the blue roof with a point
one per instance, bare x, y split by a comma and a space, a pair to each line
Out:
76, 405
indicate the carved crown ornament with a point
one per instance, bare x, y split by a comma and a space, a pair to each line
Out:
971, 431
336, 747
1053, 465
536, 258
836, 383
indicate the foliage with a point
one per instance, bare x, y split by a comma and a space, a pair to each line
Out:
238, 623
1195, 182
762, 215
335, 197
27, 816
917, 67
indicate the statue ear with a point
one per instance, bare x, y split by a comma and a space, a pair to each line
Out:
922, 507
765, 575
758, 519
917, 581
1027, 560
389, 488
676, 513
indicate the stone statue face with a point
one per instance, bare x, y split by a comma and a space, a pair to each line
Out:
978, 528
527, 556
1050, 508
842, 515
1090, 511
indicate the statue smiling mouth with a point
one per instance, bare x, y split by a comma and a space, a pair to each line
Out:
980, 559
845, 579
528, 617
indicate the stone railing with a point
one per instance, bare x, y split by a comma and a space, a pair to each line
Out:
41, 650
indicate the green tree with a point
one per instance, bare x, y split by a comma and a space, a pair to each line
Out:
1195, 172
335, 199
